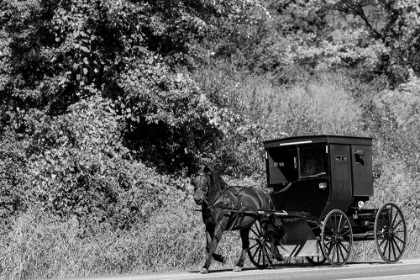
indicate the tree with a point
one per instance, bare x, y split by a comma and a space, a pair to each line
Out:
138, 54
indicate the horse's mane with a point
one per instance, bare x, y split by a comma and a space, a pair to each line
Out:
216, 178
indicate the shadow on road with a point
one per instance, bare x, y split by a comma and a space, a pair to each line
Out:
290, 265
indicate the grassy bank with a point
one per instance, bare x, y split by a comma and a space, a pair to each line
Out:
40, 245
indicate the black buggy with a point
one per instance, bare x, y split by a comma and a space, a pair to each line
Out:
319, 186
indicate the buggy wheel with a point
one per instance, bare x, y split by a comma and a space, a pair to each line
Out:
336, 238
259, 252
390, 232
317, 260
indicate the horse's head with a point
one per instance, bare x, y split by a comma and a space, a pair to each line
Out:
201, 183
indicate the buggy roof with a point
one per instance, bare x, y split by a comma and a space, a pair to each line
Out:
331, 139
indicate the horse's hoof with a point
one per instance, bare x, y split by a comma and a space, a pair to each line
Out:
237, 268
220, 259
279, 258
204, 270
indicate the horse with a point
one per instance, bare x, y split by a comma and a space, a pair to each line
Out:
231, 208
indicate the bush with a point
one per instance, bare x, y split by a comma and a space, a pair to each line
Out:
75, 164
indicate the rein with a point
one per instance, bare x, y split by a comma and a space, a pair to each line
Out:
283, 190
215, 200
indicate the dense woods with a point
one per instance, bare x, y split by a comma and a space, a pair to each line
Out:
107, 107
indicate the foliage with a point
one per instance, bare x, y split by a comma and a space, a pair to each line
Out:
137, 54
75, 164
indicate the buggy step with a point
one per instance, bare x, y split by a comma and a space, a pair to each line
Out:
364, 235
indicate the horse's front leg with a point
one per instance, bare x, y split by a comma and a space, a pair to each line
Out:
216, 257
245, 247
212, 246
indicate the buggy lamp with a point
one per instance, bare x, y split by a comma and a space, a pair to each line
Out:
322, 186
360, 204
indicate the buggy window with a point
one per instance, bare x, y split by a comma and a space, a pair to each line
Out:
282, 165
312, 161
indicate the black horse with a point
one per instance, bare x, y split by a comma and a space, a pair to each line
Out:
231, 208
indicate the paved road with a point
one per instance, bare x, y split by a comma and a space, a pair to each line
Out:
408, 269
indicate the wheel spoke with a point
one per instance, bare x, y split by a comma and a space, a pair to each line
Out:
339, 227
395, 218
336, 222
389, 250
337, 253
330, 249
253, 231
383, 240
331, 227
400, 221
396, 245
256, 251
346, 233
258, 227
390, 216
344, 247
266, 254
341, 251
403, 242
252, 246
263, 255
393, 249
386, 244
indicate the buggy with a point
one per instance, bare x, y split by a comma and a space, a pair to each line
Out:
319, 186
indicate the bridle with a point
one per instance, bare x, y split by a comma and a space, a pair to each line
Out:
205, 191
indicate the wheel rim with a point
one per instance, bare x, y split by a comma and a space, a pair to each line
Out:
259, 252
337, 238
390, 232
317, 260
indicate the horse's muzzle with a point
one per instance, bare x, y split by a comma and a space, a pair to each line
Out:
198, 197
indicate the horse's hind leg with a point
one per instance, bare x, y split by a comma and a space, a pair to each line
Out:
245, 247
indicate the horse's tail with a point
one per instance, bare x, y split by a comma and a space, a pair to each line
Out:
273, 223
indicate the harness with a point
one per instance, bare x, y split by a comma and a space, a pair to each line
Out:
230, 200
236, 210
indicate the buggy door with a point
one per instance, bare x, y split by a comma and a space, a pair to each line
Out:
341, 184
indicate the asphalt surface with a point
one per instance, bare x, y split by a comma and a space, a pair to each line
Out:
407, 269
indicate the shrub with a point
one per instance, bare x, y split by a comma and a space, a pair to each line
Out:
75, 164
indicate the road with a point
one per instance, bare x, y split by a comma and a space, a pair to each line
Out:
408, 269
